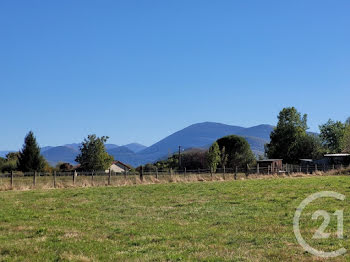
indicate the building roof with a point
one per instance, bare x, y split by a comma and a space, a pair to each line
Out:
270, 160
336, 155
117, 162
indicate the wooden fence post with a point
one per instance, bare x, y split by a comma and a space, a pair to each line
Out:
316, 168
92, 178
171, 172
11, 179
185, 172
74, 178
34, 178
156, 172
54, 179
109, 177
268, 169
246, 172
236, 171
141, 174
223, 174
258, 169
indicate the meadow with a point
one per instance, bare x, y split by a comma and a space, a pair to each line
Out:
242, 220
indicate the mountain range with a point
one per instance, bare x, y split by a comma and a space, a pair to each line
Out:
200, 135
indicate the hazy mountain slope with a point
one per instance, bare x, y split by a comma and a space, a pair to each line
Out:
260, 131
200, 135
60, 154
194, 136
135, 147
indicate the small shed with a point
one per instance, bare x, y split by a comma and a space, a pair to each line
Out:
305, 162
334, 159
270, 165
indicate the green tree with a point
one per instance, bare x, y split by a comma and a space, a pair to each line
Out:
93, 155
29, 158
238, 151
332, 134
345, 143
213, 157
309, 147
223, 157
285, 139
347, 122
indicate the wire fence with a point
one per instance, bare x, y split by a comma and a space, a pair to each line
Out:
30, 180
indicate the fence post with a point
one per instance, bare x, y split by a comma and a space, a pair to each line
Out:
307, 169
92, 178
236, 171
74, 178
171, 172
316, 168
185, 171
157, 172
34, 178
141, 174
11, 179
54, 179
258, 169
223, 174
109, 177
247, 171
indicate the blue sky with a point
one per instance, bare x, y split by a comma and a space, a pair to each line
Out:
138, 71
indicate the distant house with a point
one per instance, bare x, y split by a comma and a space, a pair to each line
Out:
333, 159
118, 167
270, 165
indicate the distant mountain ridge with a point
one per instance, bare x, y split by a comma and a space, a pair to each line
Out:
200, 135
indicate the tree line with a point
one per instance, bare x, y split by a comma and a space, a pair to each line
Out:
92, 156
289, 141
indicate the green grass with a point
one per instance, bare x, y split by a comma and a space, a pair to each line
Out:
247, 220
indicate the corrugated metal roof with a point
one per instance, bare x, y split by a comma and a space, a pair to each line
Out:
336, 155
270, 160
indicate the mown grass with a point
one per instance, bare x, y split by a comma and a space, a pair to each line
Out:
250, 220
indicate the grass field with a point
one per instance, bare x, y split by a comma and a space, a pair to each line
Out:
248, 220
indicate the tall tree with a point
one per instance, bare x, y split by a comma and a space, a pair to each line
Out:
347, 122
213, 157
29, 158
332, 134
93, 155
285, 139
345, 143
223, 157
238, 151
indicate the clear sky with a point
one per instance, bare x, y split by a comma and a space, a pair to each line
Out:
138, 71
